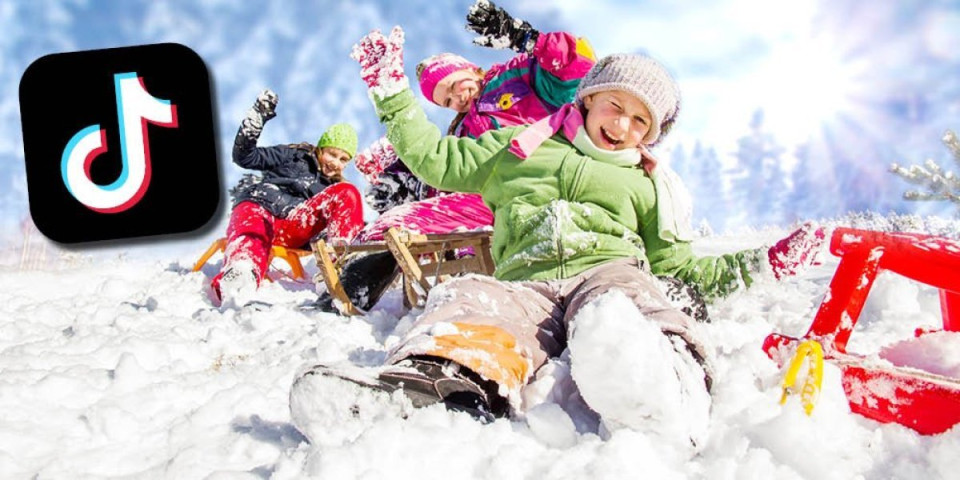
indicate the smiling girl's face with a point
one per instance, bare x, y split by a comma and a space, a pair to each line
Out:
616, 120
332, 161
458, 90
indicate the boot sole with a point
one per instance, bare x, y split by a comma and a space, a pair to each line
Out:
335, 405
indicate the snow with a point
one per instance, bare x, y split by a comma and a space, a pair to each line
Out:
626, 371
936, 352
125, 367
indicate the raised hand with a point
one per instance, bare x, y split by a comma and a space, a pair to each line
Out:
374, 159
381, 62
498, 29
266, 104
798, 250
263, 109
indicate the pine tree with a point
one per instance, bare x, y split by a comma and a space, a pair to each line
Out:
701, 173
804, 187
682, 164
760, 177
938, 183
712, 203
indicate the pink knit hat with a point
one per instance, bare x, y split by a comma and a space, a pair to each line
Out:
434, 69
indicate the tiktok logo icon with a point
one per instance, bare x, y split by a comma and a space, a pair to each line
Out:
135, 107
119, 143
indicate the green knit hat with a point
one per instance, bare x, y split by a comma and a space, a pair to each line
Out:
342, 136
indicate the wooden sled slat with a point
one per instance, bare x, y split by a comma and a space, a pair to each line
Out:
328, 272
422, 259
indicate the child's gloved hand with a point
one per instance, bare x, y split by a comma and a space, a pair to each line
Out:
263, 109
266, 104
394, 188
374, 159
498, 29
381, 62
797, 251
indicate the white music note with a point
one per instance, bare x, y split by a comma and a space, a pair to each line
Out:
135, 108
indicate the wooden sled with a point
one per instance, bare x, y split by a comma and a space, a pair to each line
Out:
423, 259
289, 255
924, 401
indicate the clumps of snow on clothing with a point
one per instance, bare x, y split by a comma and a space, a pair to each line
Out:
558, 236
634, 376
381, 62
372, 160
553, 384
320, 400
499, 41
238, 286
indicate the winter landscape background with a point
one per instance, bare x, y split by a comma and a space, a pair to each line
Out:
791, 110
114, 361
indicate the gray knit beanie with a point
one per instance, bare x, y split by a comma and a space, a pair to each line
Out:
642, 77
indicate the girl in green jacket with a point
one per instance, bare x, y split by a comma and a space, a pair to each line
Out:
576, 219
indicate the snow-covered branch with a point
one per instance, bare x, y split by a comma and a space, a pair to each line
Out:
935, 182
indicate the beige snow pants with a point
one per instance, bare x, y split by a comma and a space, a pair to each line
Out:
505, 331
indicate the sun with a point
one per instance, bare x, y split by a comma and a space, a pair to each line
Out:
805, 87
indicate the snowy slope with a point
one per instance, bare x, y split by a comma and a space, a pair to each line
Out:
124, 368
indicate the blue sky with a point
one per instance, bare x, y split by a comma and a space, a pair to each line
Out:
860, 83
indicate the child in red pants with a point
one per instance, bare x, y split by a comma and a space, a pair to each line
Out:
300, 195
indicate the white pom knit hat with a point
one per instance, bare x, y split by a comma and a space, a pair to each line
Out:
642, 77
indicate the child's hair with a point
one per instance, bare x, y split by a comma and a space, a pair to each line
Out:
455, 123
642, 77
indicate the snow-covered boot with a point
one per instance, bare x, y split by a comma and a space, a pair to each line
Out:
426, 380
365, 277
323, 396
638, 377
236, 285
687, 298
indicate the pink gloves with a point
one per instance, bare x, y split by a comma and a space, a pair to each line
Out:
374, 159
381, 62
797, 251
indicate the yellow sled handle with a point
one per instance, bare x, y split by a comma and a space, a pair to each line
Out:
812, 351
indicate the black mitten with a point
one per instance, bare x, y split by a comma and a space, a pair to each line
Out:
394, 188
498, 29
263, 109
266, 104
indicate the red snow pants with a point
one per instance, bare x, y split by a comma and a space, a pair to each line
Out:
253, 229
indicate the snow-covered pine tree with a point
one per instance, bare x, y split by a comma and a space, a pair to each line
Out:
937, 183
760, 180
801, 200
701, 173
712, 205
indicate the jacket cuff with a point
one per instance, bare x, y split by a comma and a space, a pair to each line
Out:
387, 107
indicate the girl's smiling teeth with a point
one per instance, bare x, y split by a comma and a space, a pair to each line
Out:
608, 138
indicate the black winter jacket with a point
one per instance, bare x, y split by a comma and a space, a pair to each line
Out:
290, 175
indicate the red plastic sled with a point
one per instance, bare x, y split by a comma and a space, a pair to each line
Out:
926, 402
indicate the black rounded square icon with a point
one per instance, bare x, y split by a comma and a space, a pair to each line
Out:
119, 143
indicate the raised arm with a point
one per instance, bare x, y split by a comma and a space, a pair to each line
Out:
445, 162
245, 151
561, 58
718, 276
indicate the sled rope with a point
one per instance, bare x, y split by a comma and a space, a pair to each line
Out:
812, 352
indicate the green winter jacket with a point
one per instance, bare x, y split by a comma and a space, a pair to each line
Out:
557, 213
